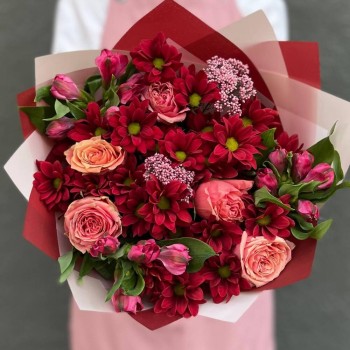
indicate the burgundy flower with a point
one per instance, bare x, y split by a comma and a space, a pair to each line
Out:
289, 143
220, 235
301, 165
132, 88
266, 178
165, 206
183, 148
181, 296
223, 273
58, 129
259, 118
236, 144
90, 185
156, 58
278, 158
270, 222
52, 181
134, 127
193, 89
106, 246
144, 252
136, 198
309, 211
94, 125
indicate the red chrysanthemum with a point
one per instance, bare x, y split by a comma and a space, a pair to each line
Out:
193, 89
134, 127
166, 206
52, 181
223, 273
156, 58
181, 296
236, 144
219, 235
259, 118
201, 122
136, 198
94, 125
270, 222
183, 148
90, 185
289, 143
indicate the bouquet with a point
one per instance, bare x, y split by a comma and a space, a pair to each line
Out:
174, 181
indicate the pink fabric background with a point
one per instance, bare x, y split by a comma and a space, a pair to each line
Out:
91, 330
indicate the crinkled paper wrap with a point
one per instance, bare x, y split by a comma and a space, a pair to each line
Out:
285, 73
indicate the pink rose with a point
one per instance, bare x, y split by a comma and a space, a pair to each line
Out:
94, 156
90, 219
162, 101
126, 303
105, 246
175, 258
222, 198
64, 88
262, 260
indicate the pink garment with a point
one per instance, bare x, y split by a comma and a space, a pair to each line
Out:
102, 331
107, 331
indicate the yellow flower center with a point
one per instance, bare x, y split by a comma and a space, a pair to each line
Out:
180, 155
208, 129
216, 233
179, 290
134, 128
127, 182
99, 131
195, 100
164, 203
56, 183
246, 121
224, 272
231, 144
158, 63
264, 221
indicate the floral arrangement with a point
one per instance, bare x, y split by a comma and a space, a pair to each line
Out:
174, 182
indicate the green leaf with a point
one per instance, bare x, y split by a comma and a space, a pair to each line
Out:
77, 112
105, 269
134, 284
93, 83
303, 224
295, 189
86, 266
298, 234
262, 195
67, 263
323, 150
130, 70
268, 140
119, 277
86, 96
338, 171
320, 230
61, 109
120, 252
199, 251
44, 94
38, 115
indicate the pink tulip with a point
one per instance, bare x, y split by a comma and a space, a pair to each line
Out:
302, 163
111, 63
64, 88
126, 303
279, 159
144, 252
175, 258
59, 128
106, 246
322, 172
266, 178
308, 211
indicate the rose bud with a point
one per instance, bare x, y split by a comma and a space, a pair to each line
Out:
63, 88
175, 258
126, 303
222, 198
111, 63
279, 159
323, 173
302, 163
59, 128
105, 246
144, 252
309, 211
266, 178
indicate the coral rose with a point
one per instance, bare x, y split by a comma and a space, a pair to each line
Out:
162, 101
222, 198
94, 156
262, 260
90, 219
